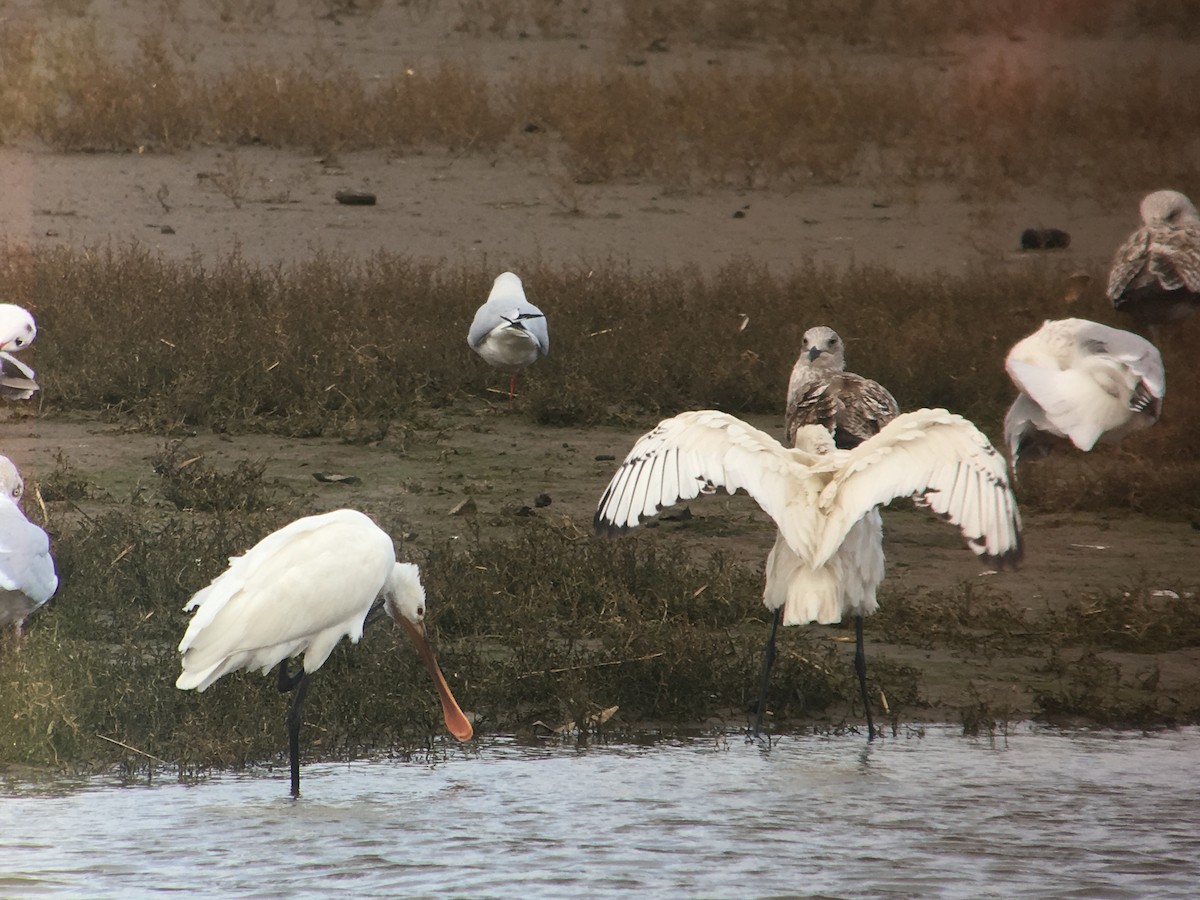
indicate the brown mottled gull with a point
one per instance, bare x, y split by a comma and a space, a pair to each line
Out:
1155, 276
820, 392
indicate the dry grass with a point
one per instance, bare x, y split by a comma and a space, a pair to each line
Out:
825, 118
329, 344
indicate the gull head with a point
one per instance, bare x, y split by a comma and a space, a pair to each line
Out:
823, 349
17, 329
1168, 208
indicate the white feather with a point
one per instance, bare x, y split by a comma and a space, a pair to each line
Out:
828, 558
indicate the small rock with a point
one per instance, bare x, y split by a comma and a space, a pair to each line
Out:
336, 479
604, 457
355, 198
1044, 239
542, 500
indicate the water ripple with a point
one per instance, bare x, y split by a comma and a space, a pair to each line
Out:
1045, 814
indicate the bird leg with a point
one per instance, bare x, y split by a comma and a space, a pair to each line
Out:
295, 719
860, 666
768, 661
287, 682
512, 388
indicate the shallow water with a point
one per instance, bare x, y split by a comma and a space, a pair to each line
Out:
1040, 814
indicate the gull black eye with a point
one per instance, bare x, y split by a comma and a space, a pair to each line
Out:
420, 612
20, 342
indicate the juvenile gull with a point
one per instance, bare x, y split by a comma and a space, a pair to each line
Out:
820, 392
1155, 275
508, 331
1084, 381
828, 554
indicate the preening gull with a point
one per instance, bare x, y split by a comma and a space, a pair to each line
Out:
17, 331
820, 392
1155, 275
301, 589
1082, 380
508, 331
828, 555
27, 576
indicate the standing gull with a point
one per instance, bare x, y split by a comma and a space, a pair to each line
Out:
828, 554
17, 331
1155, 275
27, 576
1084, 381
508, 331
302, 589
821, 392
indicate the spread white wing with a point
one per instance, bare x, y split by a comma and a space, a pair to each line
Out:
947, 463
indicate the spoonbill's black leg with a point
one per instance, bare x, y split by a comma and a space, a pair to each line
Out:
286, 681
860, 666
294, 720
768, 661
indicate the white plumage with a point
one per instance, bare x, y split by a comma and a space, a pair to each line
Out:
27, 575
508, 331
1083, 381
17, 331
828, 556
302, 589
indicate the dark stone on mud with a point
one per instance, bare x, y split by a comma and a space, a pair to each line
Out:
355, 198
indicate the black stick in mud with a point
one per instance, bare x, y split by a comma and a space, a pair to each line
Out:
860, 666
768, 661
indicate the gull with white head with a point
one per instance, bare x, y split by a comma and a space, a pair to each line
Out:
828, 555
17, 331
508, 331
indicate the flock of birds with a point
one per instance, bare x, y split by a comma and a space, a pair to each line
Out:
849, 450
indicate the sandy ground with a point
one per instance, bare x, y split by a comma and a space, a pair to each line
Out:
511, 208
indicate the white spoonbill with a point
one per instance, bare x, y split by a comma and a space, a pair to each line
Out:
828, 555
27, 576
302, 589
1155, 274
17, 331
508, 331
1084, 381
821, 392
